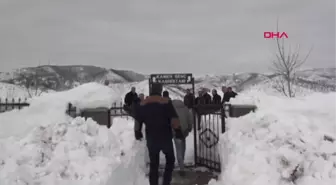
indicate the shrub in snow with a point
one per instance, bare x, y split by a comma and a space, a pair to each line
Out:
80, 152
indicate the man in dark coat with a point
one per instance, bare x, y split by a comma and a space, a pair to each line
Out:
199, 98
228, 95
131, 97
130, 100
165, 94
189, 99
160, 118
216, 99
206, 97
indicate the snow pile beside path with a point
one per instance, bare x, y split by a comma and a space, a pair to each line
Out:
285, 142
76, 153
50, 108
90, 95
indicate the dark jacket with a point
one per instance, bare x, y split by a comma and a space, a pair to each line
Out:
207, 98
130, 98
158, 114
216, 99
198, 100
228, 95
189, 100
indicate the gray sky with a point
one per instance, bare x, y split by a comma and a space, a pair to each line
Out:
199, 36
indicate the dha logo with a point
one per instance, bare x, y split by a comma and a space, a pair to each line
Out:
271, 35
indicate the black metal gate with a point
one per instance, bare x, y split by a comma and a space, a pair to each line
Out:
209, 125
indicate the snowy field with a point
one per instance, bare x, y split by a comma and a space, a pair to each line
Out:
285, 142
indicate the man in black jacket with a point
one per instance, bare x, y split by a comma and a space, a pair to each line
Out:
206, 97
216, 99
189, 99
165, 94
131, 97
160, 119
228, 95
199, 98
130, 100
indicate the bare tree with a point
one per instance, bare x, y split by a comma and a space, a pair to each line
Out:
33, 82
286, 65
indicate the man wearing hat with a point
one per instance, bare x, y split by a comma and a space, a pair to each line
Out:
160, 118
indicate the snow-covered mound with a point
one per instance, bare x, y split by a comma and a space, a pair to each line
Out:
285, 142
40, 144
76, 153
50, 108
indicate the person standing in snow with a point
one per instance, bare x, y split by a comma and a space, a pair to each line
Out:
216, 99
160, 118
229, 94
206, 97
166, 95
224, 90
137, 125
199, 99
189, 99
130, 99
186, 121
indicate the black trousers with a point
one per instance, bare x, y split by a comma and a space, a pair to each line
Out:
154, 149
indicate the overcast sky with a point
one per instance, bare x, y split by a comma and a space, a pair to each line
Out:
199, 36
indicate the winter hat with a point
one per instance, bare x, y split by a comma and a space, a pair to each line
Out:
165, 94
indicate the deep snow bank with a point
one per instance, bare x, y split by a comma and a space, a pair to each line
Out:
76, 153
287, 141
50, 108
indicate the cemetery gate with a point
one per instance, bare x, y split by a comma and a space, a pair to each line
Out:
208, 125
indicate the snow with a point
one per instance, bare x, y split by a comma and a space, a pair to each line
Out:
70, 153
265, 147
50, 108
40, 144
10, 91
111, 76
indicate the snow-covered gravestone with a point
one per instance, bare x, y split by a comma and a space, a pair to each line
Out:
101, 115
240, 110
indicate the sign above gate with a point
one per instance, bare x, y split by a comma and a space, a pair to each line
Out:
179, 78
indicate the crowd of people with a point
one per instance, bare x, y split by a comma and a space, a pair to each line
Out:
166, 121
204, 97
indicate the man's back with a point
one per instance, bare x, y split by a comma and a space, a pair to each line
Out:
216, 99
189, 100
156, 112
228, 95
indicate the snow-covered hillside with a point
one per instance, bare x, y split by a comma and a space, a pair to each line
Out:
65, 77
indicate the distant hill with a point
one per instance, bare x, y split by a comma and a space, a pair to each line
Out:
65, 77
58, 78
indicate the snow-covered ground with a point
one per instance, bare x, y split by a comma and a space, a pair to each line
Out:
40, 144
287, 141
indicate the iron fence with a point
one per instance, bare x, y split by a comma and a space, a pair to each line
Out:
210, 123
208, 126
10, 104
